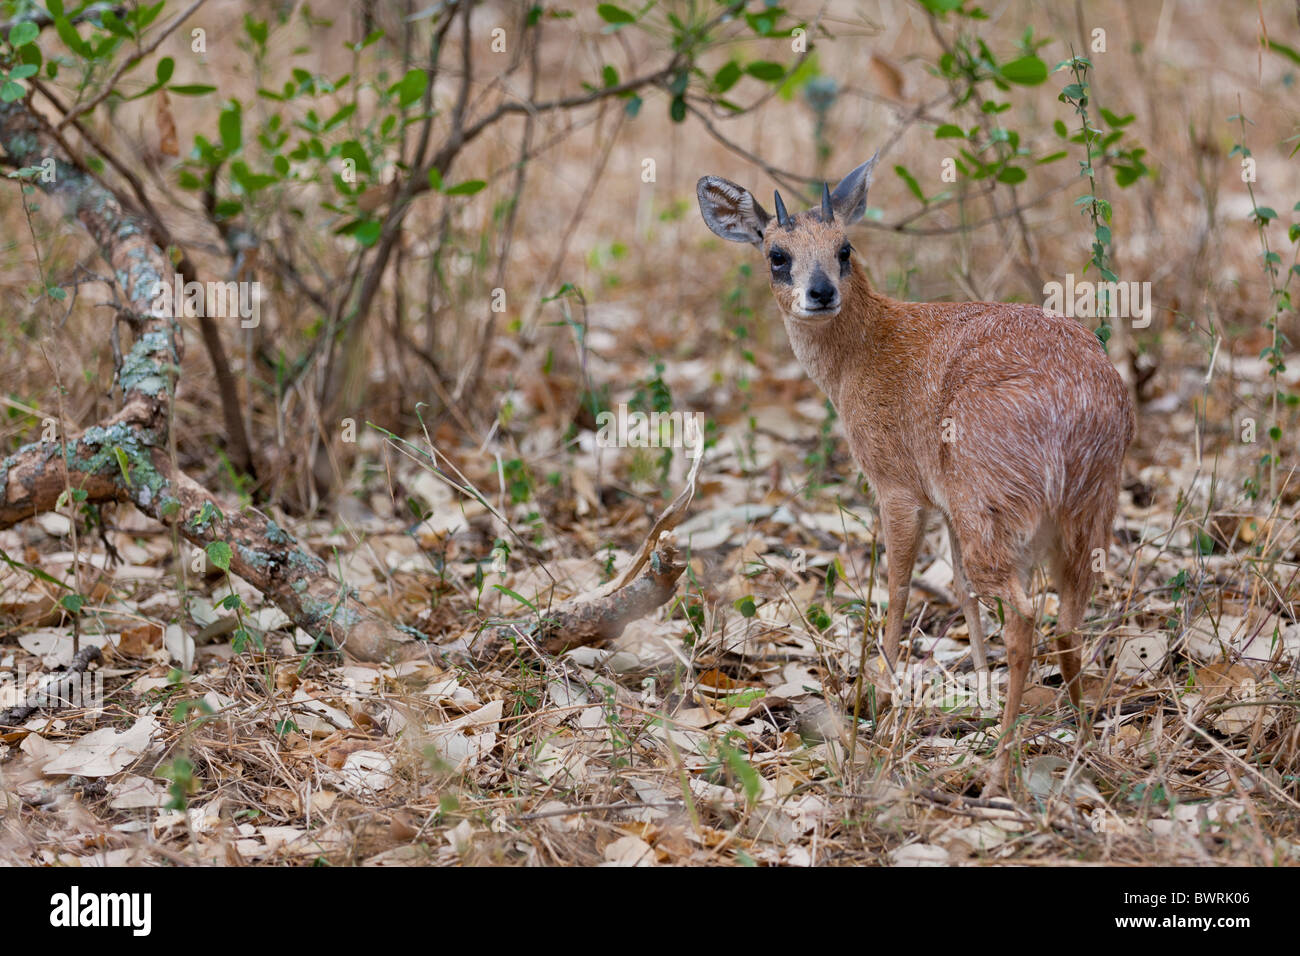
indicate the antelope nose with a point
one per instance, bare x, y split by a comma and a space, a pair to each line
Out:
821, 294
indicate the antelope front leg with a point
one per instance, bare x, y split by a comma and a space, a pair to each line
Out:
902, 525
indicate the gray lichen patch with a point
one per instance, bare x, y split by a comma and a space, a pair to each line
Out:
300, 560
277, 535
255, 558
124, 453
320, 613
141, 279
141, 369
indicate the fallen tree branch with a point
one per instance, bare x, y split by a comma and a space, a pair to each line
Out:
241, 454
126, 458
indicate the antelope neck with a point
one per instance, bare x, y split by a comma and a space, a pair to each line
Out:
830, 349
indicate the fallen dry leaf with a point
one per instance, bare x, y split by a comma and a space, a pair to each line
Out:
106, 751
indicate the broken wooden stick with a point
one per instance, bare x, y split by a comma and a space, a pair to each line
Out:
604, 614
598, 619
58, 689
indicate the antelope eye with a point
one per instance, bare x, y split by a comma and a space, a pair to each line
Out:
778, 258
845, 250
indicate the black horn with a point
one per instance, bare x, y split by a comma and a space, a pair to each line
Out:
828, 214
782, 219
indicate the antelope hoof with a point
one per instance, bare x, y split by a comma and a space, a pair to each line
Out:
997, 778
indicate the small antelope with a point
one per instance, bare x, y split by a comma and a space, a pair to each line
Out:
1009, 420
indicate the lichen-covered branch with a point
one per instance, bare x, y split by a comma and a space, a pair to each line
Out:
126, 457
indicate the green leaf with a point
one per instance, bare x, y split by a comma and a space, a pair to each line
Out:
615, 15
1027, 71
34, 571
166, 67
31, 54
801, 79
1012, 175
940, 7
145, 14
1265, 214
1127, 175
219, 554
912, 184
70, 37
765, 70
468, 188
1116, 122
72, 602
249, 181
11, 92
123, 464
206, 514
1281, 48
747, 775
746, 606
435, 179
367, 233
191, 89
115, 25
949, 131
1059, 127
411, 87
516, 596
23, 33
229, 125
744, 698
727, 76
353, 150
677, 109
24, 70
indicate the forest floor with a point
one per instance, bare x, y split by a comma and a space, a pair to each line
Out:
719, 730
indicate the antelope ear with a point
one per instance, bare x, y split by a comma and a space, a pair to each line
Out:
850, 197
730, 210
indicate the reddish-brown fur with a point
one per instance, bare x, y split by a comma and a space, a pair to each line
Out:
1037, 421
